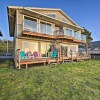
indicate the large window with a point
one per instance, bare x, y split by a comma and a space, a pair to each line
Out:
30, 24
69, 32
45, 48
29, 46
52, 15
45, 28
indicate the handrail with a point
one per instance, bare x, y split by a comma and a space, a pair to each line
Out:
55, 32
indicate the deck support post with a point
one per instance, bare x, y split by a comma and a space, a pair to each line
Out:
26, 65
19, 65
44, 63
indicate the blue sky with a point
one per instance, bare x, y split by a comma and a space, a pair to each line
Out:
86, 13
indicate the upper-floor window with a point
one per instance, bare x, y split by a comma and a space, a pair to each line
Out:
69, 32
52, 15
64, 20
30, 24
45, 28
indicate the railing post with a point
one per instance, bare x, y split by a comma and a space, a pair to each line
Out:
71, 55
18, 55
58, 57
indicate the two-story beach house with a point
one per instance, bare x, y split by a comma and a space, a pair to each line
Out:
37, 29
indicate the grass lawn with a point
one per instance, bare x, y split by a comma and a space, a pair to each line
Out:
69, 81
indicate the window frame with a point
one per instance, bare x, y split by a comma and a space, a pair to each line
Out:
33, 42
64, 19
51, 13
79, 35
68, 29
30, 18
42, 21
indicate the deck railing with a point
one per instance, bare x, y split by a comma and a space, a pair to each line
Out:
56, 33
83, 37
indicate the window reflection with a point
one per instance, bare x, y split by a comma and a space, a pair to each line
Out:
77, 35
68, 32
29, 46
30, 24
45, 28
45, 47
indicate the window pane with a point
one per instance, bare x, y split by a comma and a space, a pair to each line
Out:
45, 28
29, 46
48, 29
68, 32
77, 35
45, 48
64, 20
42, 27
83, 37
30, 25
52, 15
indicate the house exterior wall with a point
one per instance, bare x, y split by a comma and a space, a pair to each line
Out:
59, 16
18, 42
19, 22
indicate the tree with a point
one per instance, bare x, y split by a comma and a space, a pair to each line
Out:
88, 35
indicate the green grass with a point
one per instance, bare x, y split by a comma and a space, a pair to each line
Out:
69, 81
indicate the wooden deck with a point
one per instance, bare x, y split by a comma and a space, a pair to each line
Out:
48, 60
27, 62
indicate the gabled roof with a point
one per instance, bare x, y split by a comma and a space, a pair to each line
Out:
36, 8
12, 16
53, 9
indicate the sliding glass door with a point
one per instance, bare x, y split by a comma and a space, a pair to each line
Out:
29, 46
45, 28
30, 24
45, 48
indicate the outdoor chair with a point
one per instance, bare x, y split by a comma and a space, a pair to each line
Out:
23, 55
35, 54
53, 54
29, 55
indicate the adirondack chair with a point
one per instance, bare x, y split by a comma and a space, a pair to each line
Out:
54, 54
35, 54
22, 55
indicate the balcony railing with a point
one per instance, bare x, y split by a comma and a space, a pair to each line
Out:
76, 35
83, 37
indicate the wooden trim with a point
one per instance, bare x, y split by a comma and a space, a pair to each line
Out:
51, 37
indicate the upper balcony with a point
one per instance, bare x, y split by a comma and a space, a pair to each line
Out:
41, 29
